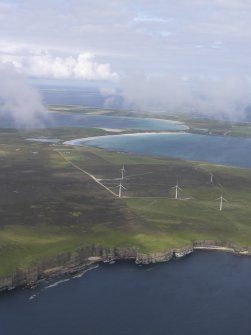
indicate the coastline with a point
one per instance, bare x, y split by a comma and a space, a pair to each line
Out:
85, 258
82, 141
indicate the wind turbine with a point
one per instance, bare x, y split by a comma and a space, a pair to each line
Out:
211, 177
122, 172
221, 201
120, 189
176, 190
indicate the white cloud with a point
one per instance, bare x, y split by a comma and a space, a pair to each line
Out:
19, 101
226, 97
168, 38
106, 91
46, 65
147, 19
155, 36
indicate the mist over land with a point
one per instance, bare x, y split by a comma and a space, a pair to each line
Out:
227, 99
27, 104
20, 102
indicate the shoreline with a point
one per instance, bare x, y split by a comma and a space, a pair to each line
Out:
83, 140
83, 259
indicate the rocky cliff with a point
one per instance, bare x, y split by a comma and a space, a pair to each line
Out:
69, 263
65, 263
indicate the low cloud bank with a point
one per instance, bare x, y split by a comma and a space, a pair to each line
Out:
20, 102
225, 98
42, 64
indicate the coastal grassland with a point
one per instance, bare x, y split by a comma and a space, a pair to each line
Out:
186, 221
216, 127
240, 130
195, 215
23, 246
197, 124
48, 207
79, 109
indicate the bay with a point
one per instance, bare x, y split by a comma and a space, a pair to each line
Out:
223, 150
58, 119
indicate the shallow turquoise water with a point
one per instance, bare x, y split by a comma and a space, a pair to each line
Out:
216, 149
99, 121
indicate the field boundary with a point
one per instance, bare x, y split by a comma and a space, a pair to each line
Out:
87, 173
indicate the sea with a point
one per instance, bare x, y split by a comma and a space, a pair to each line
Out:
113, 122
224, 150
173, 141
204, 293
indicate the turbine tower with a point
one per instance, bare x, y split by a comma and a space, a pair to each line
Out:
120, 189
176, 190
221, 202
122, 172
211, 177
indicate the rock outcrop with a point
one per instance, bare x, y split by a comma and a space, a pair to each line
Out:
154, 257
69, 263
179, 253
221, 246
66, 263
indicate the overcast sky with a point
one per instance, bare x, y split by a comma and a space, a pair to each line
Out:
97, 39
113, 40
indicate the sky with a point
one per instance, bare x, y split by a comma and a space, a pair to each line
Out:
195, 52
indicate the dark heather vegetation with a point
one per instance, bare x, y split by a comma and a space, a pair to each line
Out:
48, 206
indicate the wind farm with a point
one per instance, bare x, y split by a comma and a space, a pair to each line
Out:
93, 196
125, 136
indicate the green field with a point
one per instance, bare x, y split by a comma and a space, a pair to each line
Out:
48, 207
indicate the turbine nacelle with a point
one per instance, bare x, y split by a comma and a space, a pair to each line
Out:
176, 187
123, 170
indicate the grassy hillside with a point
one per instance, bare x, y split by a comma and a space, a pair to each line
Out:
48, 206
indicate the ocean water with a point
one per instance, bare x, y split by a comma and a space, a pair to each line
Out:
62, 95
215, 149
204, 293
102, 121
57, 119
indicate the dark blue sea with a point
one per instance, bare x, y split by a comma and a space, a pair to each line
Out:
205, 293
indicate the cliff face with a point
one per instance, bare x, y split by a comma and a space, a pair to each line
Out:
179, 253
76, 261
220, 245
154, 257
65, 263
73, 262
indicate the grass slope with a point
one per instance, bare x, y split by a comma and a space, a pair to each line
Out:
48, 207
